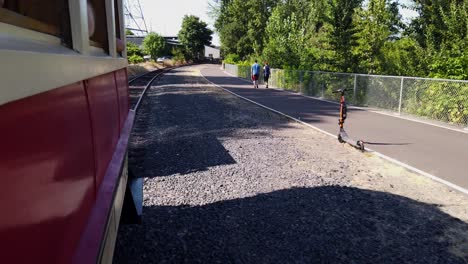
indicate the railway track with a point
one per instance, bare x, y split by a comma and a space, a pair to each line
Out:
138, 86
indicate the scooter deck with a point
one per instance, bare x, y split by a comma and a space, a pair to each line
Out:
344, 138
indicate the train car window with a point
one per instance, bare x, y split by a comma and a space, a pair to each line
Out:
97, 24
119, 41
117, 20
51, 18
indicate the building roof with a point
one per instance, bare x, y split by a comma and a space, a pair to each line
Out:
212, 47
138, 40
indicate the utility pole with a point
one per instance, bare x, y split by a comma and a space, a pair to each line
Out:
134, 19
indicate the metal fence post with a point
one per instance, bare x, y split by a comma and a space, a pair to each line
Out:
355, 87
271, 81
401, 95
300, 82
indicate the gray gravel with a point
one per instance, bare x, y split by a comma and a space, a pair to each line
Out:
229, 182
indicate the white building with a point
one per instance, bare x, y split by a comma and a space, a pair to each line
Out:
212, 52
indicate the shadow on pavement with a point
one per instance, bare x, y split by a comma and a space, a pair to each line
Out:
302, 225
311, 111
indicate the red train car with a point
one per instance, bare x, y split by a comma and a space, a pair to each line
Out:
64, 124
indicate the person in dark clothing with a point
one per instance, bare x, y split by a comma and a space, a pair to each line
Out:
266, 73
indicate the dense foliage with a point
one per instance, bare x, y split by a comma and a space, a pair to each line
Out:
135, 59
133, 49
194, 35
134, 53
154, 45
348, 35
178, 55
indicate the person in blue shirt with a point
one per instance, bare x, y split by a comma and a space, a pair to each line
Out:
255, 71
266, 73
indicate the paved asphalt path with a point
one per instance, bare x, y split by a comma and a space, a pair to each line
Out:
438, 151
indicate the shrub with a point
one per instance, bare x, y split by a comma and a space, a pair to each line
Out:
134, 59
442, 100
178, 55
133, 49
231, 58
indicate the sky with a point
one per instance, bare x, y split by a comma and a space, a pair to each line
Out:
165, 16
407, 13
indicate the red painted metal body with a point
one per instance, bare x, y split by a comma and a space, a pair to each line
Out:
55, 158
104, 111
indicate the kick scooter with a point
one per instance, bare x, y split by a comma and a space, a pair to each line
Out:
343, 136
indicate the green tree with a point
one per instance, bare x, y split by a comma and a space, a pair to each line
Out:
403, 57
128, 32
376, 25
194, 35
348, 35
318, 53
285, 36
451, 59
342, 37
241, 25
154, 45
442, 30
232, 26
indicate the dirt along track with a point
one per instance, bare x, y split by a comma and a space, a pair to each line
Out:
229, 182
437, 151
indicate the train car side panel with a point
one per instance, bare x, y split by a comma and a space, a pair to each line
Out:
122, 91
48, 168
65, 125
98, 238
103, 104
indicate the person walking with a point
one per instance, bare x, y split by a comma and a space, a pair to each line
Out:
266, 73
255, 71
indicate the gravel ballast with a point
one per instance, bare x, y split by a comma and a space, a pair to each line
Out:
226, 181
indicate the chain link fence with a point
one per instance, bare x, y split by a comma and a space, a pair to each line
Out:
436, 99
231, 69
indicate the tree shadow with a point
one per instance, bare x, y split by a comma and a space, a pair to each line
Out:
302, 225
180, 129
185, 155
